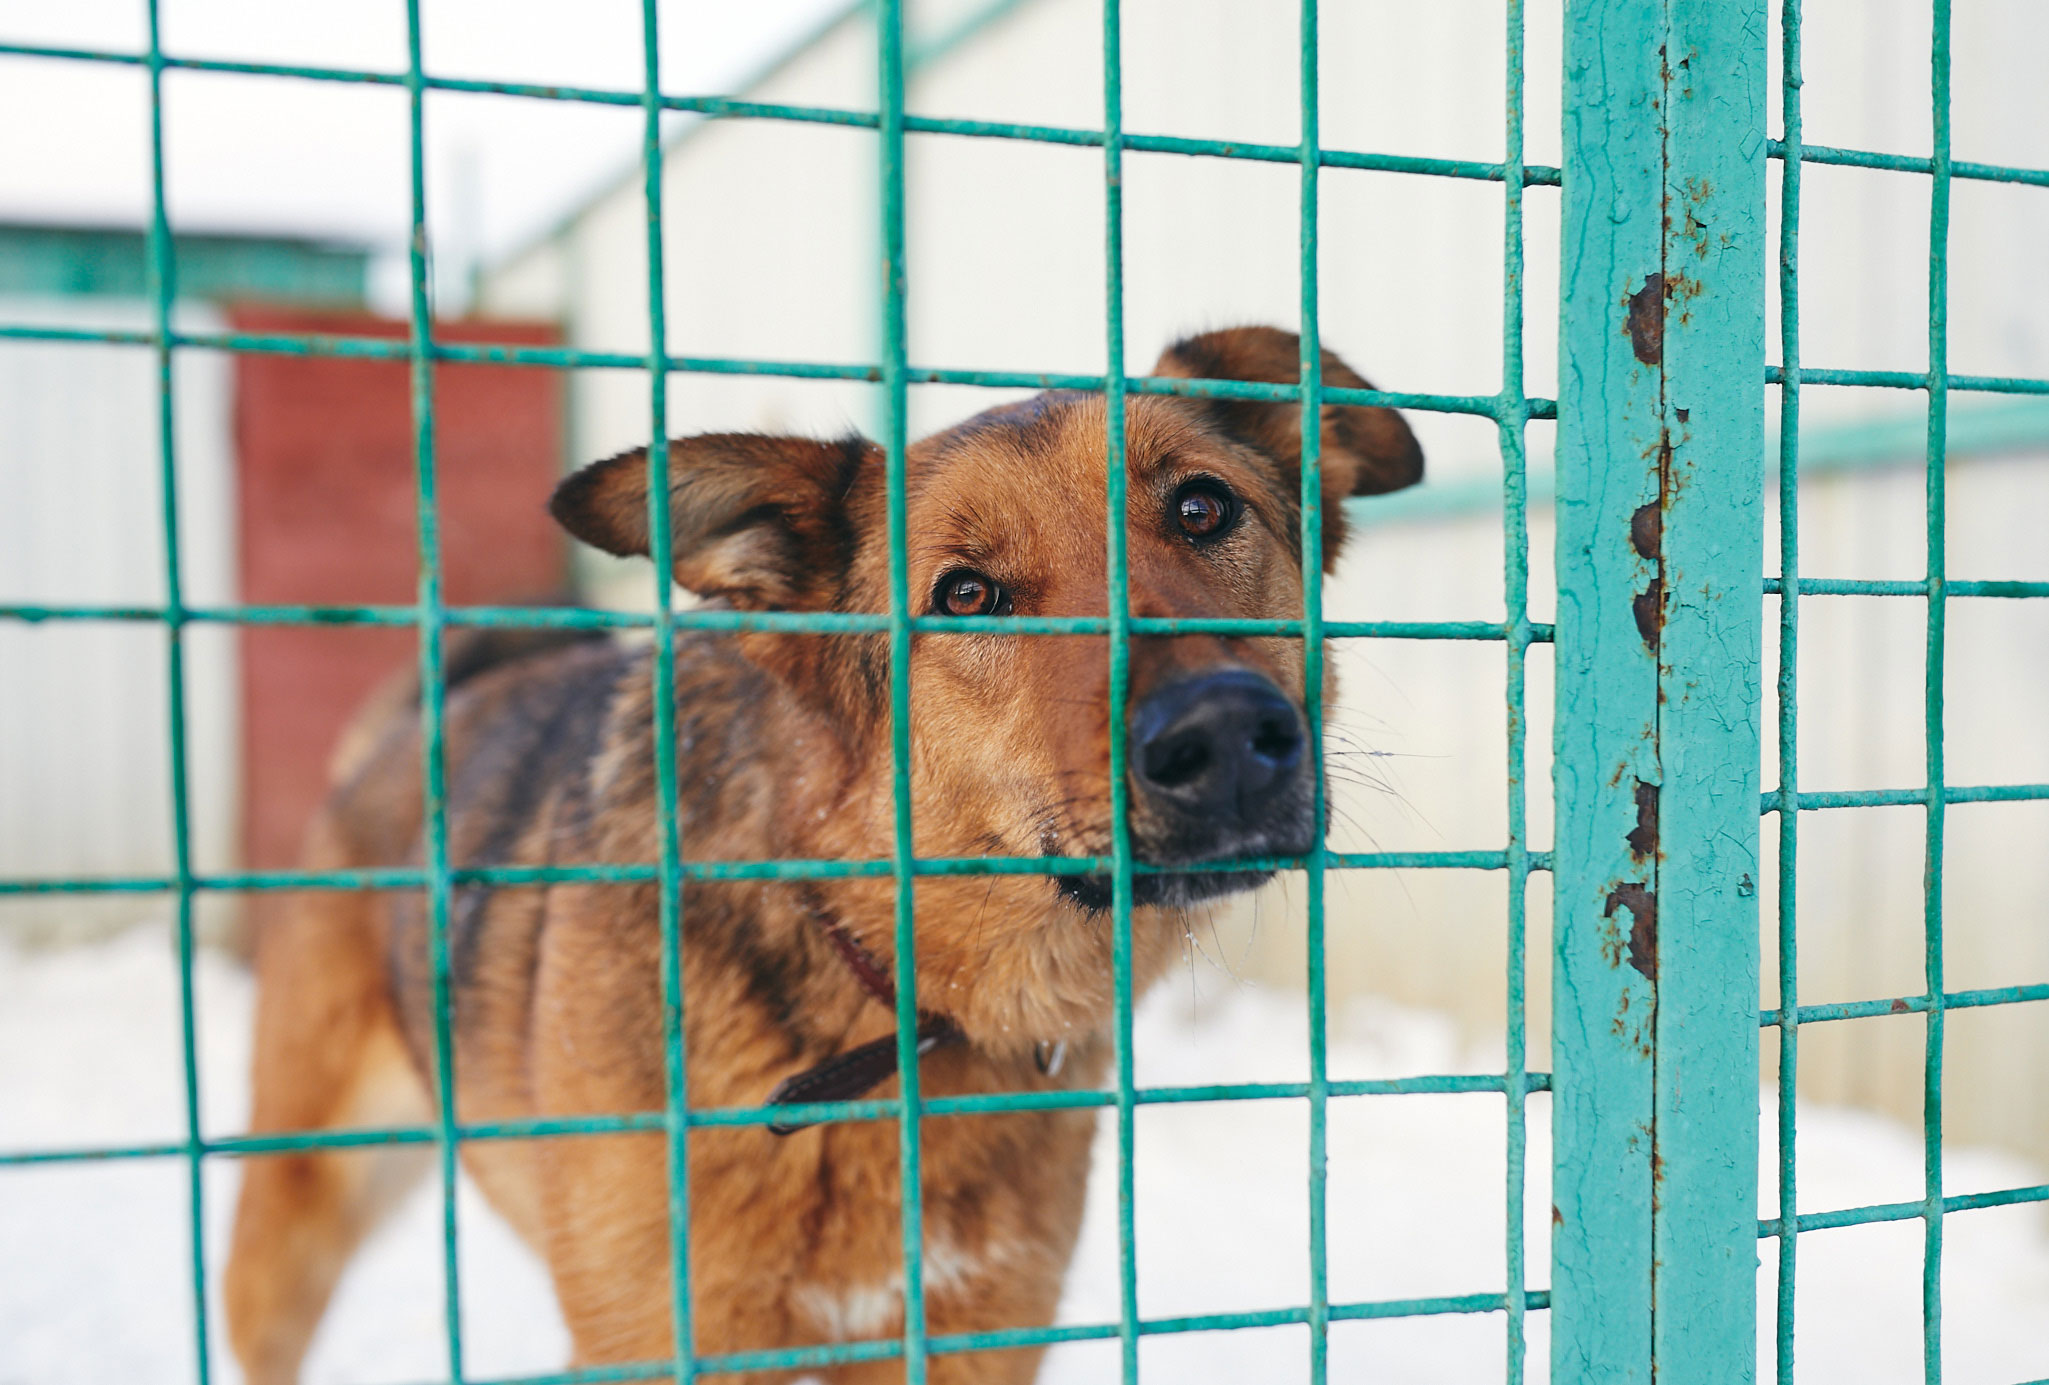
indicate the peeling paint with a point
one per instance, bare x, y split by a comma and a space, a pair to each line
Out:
1642, 903
1643, 838
1647, 537
1646, 321
1647, 530
1649, 609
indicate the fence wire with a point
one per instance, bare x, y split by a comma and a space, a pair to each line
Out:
1511, 410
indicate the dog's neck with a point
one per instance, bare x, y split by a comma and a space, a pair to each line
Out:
859, 960
1014, 965
857, 1072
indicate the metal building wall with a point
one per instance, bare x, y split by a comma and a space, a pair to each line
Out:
84, 741
770, 230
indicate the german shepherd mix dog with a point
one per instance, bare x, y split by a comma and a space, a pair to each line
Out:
783, 750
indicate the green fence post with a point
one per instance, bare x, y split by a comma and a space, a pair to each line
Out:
889, 46
1940, 172
1117, 606
431, 616
161, 260
1660, 522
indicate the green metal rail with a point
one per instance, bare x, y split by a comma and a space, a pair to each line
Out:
37, 260
1661, 494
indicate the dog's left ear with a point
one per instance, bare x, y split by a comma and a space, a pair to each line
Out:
1366, 450
757, 521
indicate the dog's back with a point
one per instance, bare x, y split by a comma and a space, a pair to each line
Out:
547, 754
344, 1028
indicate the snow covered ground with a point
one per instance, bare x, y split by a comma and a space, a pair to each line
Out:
94, 1278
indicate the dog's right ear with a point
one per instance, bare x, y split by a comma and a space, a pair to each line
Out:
1366, 450
759, 521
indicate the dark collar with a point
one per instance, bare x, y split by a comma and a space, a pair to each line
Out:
858, 1071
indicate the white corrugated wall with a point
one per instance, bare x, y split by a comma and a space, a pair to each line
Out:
84, 726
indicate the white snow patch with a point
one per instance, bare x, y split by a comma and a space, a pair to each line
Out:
94, 1258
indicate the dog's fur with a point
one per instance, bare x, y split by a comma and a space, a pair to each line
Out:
783, 751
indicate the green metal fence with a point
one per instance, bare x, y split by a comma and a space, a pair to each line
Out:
1788, 802
1660, 493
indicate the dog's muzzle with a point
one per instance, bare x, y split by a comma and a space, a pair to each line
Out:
1220, 771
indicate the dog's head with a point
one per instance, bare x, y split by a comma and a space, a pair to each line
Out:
1006, 515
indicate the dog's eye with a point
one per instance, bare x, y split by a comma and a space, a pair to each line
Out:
1205, 509
966, 593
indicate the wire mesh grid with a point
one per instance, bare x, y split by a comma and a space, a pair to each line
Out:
1511, 410
1787, 801
431, 616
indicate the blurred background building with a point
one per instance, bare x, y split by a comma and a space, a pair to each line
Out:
771, 251
296, 486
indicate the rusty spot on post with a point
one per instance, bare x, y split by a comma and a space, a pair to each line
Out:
1649, 608
1647, 321
1642, 903
1647, 537
1643, 839
1647, 530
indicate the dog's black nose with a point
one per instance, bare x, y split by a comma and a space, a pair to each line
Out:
1218, 746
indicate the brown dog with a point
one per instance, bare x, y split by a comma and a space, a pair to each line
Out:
782, 746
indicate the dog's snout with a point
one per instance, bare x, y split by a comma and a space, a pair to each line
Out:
1219, 745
